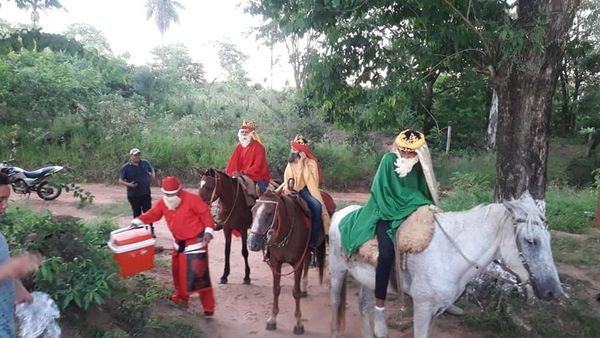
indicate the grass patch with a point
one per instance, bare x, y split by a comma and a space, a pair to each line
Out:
569, 209
580, 252
110, 210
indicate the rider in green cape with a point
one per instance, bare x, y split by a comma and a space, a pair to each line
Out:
404, 181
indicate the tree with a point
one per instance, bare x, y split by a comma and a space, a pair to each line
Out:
387, 55
232, 61
90, 37
163, 11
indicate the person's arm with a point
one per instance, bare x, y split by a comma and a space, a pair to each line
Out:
123, 179
287, 174
153, 215
21, 294
233, 164
151, 172
202, 210
20, 266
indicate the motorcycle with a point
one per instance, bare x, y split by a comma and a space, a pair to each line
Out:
25, 182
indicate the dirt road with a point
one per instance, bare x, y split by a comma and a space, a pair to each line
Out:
242, 310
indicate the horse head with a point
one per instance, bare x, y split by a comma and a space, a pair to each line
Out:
529, 253
208, 184
264, 215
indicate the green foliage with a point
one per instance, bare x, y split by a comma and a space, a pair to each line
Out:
569, 210
136, 307
582, 252
163, 11
76, 271
580, 172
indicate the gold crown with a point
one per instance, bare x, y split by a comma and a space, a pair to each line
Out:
300, 139
410, 140
248, 124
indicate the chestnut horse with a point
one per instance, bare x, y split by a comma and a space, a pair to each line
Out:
233, 211
281, 227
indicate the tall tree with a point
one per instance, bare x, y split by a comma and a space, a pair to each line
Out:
382, 54
164, 12
232, 60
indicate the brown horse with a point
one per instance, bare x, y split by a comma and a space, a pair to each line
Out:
233, 210
281, 227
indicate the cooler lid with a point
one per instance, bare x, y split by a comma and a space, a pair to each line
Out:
130, 236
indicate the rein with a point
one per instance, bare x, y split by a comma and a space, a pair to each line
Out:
283, 242
214, 195
500, 264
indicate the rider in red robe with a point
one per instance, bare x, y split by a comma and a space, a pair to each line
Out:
249, 157
191, 224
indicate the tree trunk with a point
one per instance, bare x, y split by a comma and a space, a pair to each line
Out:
427, 103
525, 86
490, 138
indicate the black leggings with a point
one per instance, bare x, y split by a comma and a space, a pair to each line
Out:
384, 260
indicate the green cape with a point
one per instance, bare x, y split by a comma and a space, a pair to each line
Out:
392, 199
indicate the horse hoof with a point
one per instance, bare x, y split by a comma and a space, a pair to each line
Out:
304, 294
223, 281
271, 326
247, 281
299, 329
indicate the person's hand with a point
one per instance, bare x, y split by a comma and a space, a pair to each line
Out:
207, 238
302, 156
133, 184
235, 174
22, 265
287, 191
22, 296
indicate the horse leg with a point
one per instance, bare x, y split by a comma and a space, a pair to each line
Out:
227, 233
299, 328
276, 269
304, 286
422, 314
245, 255
365, 304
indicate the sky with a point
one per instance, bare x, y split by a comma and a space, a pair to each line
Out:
201, 23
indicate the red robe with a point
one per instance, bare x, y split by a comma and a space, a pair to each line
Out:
187, 221
252, 160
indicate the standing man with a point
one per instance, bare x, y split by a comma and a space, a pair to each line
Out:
136, 175
12, 292
249, 157
191, 224
404, 181
305, 172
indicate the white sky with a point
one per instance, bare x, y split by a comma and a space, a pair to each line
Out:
124, 24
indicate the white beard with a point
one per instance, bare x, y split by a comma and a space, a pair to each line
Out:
404, 165
172, 202
245, 140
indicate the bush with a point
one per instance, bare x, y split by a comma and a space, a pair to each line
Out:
77, 270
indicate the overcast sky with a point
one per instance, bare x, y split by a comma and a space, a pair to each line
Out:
124, 24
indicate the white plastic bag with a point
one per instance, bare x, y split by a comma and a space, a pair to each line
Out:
38, 319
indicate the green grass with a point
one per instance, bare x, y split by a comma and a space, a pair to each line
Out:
110, 210
569, 209
579, 252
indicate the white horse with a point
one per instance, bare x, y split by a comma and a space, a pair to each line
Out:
464, 243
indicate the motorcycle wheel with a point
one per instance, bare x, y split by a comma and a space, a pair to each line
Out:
47, 192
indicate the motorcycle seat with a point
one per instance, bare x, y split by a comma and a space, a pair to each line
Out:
37, 173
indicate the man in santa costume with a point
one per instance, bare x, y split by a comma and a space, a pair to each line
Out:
191, 224
249, 157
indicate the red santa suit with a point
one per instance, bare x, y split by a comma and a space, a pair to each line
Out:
252, 160
187, 222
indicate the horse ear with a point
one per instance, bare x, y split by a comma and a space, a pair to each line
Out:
200, 172
516, 208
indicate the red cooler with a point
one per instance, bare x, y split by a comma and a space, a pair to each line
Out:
133, 250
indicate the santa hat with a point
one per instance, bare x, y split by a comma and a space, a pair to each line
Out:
250, 125
170, 185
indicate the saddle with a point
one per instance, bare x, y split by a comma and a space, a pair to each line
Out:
413, 236
249, 188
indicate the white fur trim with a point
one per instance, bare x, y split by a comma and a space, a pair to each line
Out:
136, 221
210, 231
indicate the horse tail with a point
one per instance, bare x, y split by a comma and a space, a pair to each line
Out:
320, 253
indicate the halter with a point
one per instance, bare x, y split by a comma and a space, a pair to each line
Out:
213, 196
283, 242
500, 264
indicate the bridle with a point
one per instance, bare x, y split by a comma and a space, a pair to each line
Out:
503, 266
213, 196
281, 244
